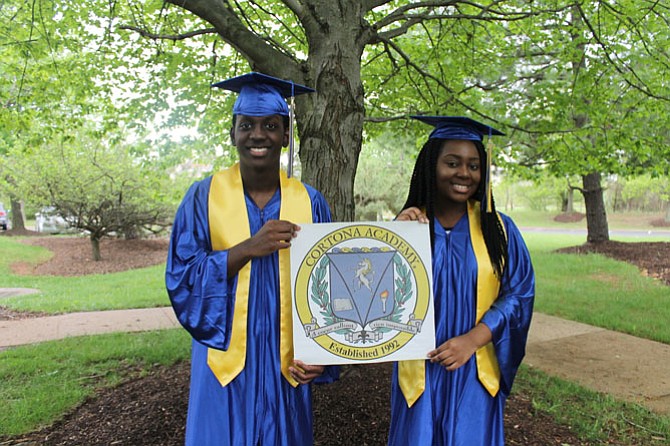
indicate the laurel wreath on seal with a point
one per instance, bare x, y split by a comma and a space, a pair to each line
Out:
403, 291
321, 297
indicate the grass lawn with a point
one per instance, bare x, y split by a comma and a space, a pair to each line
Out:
39, 383
597, 290
139, 288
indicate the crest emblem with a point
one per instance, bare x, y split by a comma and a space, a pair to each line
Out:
362, 292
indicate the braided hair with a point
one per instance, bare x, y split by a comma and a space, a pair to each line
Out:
422, 191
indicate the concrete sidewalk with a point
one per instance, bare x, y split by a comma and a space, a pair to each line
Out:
602, 360
624, 366
39, 329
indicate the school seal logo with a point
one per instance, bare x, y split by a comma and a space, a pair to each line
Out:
362, 292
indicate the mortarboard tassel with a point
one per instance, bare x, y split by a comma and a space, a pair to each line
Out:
289, 170
489, 194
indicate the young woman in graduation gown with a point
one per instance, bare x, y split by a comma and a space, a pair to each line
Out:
484, 288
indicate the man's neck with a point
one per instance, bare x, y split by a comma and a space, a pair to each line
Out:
260, 186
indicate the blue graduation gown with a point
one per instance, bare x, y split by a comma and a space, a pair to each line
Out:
455, 408
258, 407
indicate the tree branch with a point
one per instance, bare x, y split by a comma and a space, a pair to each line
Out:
267, 33
380, 119
642, 86
406, 14
234, 32
369, 5
426, 75
573, 187
174, 37
295, 6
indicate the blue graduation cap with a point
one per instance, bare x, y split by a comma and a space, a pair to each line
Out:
464, 128
457, 127
263, 95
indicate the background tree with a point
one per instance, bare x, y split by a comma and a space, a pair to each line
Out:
61, 69
96, 186
642, 193
596, 103
47, 81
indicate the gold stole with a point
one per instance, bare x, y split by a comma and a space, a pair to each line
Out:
412, 374
488, 287
229, 226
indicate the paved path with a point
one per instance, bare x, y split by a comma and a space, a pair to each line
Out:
602, 360
599, 359
40, 329
9, 292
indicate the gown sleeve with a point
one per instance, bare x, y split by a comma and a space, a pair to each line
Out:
510, 315
196, 276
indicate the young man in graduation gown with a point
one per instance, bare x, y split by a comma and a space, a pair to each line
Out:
228, 280
483, 288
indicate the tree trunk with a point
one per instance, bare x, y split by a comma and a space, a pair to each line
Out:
331, 127
95, 247
333, 130
596, 215
509, 204
330, 121
570, 201
564, 203
18, 217
667, 213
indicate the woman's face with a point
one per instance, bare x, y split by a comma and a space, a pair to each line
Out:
458, 171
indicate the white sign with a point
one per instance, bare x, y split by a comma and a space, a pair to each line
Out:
362, 292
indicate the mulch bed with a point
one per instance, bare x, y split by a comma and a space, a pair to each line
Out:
652, 258
151, 411
73, 256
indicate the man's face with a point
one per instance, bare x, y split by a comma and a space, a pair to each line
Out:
259, 139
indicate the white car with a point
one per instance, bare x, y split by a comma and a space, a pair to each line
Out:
48, 221
4, 220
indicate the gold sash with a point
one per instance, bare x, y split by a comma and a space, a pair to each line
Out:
229, 226
412, 374
488, 287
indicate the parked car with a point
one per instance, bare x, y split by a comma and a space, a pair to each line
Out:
4, 219
47, 220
